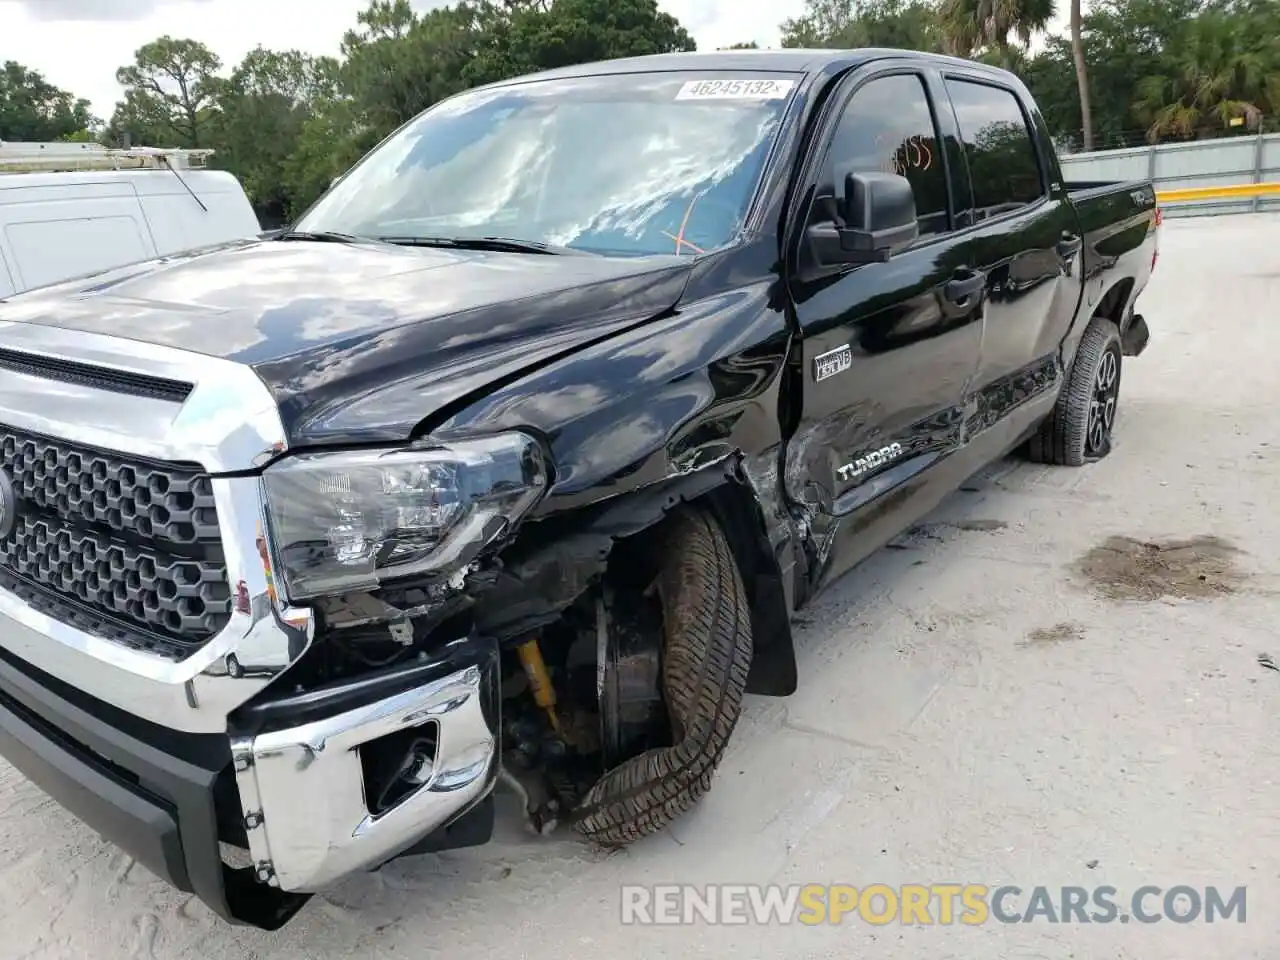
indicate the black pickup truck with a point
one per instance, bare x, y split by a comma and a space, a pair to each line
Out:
513, 457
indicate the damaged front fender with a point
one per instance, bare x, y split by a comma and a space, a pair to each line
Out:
550, 566
687, 407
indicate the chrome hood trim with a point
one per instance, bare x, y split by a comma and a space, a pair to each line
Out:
229, 422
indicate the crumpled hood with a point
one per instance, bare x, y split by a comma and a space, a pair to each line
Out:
363, 341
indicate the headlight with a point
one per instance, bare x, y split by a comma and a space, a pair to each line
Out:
351, 521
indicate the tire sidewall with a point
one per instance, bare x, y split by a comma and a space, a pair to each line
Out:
1101, 339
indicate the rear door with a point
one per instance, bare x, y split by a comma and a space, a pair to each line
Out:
888, 349
1025, 238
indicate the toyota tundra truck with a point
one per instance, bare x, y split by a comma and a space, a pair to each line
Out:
510, 461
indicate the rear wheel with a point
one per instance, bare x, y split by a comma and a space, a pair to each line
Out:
706, 653
1079, 429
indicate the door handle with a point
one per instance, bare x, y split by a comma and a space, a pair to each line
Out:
1069, 246
960, 290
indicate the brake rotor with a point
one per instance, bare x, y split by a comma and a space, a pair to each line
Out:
633, 715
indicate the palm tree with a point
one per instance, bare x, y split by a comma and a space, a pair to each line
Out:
1217, 76
1082, 75
972, 26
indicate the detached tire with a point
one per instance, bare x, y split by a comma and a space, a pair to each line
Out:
705, 658
1079, 429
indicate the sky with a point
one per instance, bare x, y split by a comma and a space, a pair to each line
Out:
78, 44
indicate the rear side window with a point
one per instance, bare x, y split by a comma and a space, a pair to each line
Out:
887, 126
1003, 164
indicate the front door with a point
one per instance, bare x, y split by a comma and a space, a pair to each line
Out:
887, 349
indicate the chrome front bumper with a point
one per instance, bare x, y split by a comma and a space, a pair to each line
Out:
303, 789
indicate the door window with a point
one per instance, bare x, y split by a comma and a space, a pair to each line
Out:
887, 126
1003, 164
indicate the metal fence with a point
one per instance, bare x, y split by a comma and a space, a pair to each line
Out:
1230, 161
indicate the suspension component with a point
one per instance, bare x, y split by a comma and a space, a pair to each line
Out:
535, 668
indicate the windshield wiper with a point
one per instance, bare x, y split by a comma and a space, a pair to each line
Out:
504, 244
322, 236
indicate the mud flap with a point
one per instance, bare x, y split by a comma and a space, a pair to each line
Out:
1134, 339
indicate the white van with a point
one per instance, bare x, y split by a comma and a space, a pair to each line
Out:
69, 210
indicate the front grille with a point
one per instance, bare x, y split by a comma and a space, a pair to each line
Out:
168, 502
122, 548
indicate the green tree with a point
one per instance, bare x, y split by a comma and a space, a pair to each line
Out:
1174, 68
847, 24
399, 62
329, 143
32, 109
1122, 39
524, 37
1051, 77
972, 27
263, 110
1082, 72
170, 93
1218, 73
821, 25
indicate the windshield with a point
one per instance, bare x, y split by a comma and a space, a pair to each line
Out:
628, 164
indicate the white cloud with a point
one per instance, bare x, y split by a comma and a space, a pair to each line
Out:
63, 10
78, 44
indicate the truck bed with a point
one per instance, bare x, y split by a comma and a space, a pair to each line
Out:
1085, 190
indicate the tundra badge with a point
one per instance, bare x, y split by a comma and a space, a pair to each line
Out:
876, 458
832, 362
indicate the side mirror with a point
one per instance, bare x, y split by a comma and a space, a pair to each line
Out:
876, 214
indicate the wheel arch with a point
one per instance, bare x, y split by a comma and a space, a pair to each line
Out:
1116, 302
740, 513
1115, 305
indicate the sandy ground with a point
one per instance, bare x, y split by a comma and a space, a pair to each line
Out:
973, 707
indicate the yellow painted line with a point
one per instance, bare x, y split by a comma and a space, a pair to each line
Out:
1234, 192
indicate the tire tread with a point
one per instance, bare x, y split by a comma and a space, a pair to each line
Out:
706, 657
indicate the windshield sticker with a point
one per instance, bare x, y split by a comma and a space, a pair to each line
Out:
736, 90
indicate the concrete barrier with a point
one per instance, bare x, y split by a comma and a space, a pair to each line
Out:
1231, 192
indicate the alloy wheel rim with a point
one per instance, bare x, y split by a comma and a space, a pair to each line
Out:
1102, 402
